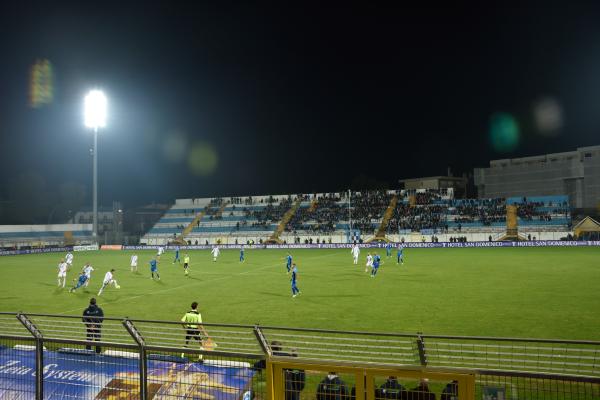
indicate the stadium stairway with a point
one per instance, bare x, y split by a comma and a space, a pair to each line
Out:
284, 221
219, 212
389, 212
186, 231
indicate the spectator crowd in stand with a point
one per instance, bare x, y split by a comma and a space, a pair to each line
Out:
368, 208
430, 210
321, 216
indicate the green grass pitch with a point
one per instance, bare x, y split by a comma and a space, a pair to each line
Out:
520, 292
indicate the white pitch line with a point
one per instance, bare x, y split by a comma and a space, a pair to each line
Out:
191, 284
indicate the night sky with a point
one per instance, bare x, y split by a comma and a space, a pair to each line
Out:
238, 99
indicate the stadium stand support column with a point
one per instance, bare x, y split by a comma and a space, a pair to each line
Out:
512, 225
389, 212
186, 231
313, 205
69, 240
284, 220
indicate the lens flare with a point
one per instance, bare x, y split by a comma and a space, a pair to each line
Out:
504, 132
548, 116
202, 159
174, 147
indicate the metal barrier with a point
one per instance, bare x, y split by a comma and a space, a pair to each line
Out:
50, 356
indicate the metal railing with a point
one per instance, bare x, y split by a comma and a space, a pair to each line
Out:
161, 357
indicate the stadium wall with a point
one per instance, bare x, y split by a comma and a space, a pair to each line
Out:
425, 245
341, 237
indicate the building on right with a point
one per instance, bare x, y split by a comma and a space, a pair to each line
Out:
574, 173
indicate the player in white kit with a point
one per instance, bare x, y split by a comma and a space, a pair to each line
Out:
87, 270
69, 259
215, 253
355, 253
109, 280
369, 262
62, 273
134, 260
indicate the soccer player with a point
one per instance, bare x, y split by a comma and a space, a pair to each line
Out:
242, 259
109, 280
295, 290
355, 253
134, 260
388, 249
81, 281
87, 270
215, 253
154, 268
177, 255
400, 254
288, 264
369, 262
62, 273
186, 264
69, 259
376, 262
160, 251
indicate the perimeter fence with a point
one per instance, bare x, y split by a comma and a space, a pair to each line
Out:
64, 357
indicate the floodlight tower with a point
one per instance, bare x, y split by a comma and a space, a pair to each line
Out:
95, 118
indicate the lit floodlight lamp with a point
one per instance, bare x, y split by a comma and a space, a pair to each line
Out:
95, 109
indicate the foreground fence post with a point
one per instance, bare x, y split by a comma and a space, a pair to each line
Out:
421, 348
39, 354
262, 341
135, 334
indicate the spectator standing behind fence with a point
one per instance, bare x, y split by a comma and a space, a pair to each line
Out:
295, 379
421, 392
391, 389
92, 318
192, 321
450, 392
332, 388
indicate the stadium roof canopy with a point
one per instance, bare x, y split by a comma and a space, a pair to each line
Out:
588, 224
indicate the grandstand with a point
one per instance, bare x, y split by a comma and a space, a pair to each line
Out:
23, 236
409, 215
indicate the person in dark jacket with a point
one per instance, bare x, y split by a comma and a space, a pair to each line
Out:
295, 379
92, 318
450, 392
332, 388
391, 389
421, 392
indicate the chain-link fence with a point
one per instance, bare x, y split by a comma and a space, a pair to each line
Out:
68, 357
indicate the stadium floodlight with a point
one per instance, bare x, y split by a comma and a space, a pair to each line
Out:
95, 109
95, 118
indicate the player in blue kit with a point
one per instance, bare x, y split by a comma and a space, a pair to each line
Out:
376, 262
400, 254
288, 266
295, 290
177, 255
242, 259
154, 269
388, 249
80, 281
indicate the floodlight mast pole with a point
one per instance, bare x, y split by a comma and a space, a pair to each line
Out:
95, 185
95, 118
350, 212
